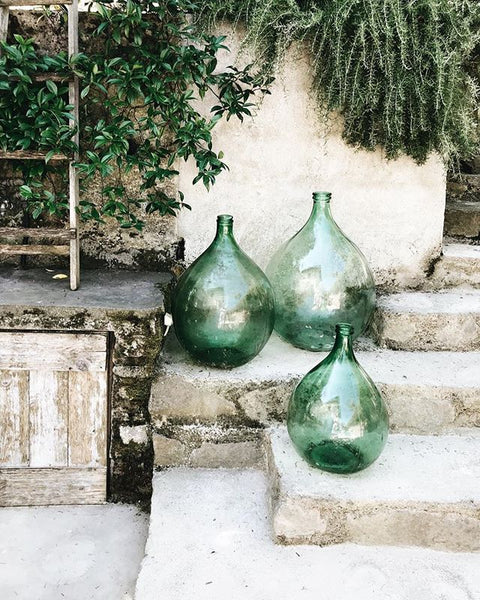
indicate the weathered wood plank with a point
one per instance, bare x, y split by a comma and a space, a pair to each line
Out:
87, 419
74, 186
13, 418
33, 2
36, 233
27, 155
53, 351
15, 249
48, 419
4, 14
39, 77
30, 487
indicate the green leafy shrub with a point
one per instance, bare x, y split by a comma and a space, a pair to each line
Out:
139, 111
395, 69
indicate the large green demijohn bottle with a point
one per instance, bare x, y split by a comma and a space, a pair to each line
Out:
336, 417
320, 278
223, 306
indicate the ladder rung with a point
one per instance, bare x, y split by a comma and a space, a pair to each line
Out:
33, 2
62, 235
45, 77
17, 249
27, 155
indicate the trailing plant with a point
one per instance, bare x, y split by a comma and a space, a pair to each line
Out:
139, 110
396, 70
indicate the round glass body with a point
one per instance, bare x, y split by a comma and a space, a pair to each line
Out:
222, 306
320, 278
336, 418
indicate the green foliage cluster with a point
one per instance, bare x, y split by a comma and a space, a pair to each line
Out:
139, 111
397, 70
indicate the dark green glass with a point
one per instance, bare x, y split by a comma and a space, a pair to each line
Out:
320, 278
336, 417
222, 306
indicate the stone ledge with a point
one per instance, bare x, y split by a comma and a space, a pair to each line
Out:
422, 491
426, 392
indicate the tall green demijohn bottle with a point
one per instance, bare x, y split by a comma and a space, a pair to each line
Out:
336, 418
320, 278
223, 306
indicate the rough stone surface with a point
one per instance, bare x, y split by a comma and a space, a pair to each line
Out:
209, 539
459, 266
71, 552
131, 307
464, 187
211, 446
462, 219
429, 321
425, 392
422, 491
393, 210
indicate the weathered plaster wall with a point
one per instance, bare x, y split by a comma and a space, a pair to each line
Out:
393, 210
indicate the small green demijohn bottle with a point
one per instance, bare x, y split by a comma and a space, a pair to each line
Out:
223, 306
336, 417
320, 278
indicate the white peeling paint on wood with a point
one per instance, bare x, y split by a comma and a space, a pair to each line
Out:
87, 423
52, 351
13, 418
48, 419
31, 487
53, 418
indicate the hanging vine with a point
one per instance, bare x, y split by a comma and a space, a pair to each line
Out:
397, 70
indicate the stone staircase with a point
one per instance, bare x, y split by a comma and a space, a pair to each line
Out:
423, 492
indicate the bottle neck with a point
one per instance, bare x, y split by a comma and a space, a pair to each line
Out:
321, 211
342, 346
224, 228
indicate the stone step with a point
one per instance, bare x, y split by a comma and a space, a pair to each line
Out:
462, 219
210, 539
422, 491
459, 266
426, 392
448, 320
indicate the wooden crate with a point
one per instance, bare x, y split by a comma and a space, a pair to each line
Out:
53, 418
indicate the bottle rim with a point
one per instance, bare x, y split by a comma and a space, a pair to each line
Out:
344, 328
224, 219
321, 196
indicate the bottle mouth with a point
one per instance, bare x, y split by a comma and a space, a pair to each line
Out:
321, 196
344, 328
224, 219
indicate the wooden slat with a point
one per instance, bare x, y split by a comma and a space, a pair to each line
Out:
4, 14
87, 419
30, 487
39, 77
34, 2
54, 351
27, 155
36, 234
33, 250
13, 418
48, 419
74, 186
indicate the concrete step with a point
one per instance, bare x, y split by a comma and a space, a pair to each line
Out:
426, 392
459, 266
422, 491
462, 219
448, 320
210, 539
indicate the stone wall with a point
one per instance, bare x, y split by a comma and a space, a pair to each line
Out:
393, 210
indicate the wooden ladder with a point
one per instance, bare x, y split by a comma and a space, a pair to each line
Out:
67, 241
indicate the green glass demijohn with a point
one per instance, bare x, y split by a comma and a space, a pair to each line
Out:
223, 306
336, 418
320, 278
